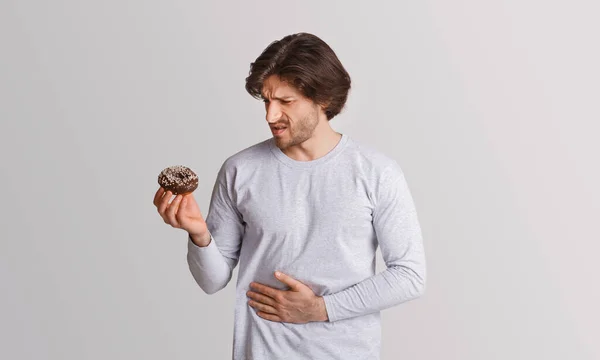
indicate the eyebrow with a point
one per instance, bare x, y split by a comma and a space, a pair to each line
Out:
279, 98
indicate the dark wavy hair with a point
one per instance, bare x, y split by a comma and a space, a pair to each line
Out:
307, 63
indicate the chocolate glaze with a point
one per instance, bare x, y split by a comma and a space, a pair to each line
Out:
178, 179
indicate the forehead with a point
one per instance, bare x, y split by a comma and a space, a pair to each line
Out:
274, 87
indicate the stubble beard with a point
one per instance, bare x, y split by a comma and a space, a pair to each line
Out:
303, 131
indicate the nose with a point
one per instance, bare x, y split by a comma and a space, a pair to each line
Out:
273, 111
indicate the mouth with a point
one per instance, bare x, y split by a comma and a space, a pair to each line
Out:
278, 130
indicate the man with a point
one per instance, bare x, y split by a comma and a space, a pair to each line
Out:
303, 213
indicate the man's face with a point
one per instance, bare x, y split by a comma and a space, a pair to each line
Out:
286, 107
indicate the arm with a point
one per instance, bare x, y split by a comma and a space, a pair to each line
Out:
399, 235
212, 265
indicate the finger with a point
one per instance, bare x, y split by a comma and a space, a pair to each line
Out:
262, 307
164, 203
269, 317
185, 201
172, 210
261, 298
180, 209
263, 289
289, 281
159, 193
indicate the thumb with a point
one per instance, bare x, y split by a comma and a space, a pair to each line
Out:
185, 202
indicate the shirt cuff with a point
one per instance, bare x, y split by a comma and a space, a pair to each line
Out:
203, 253
329, 307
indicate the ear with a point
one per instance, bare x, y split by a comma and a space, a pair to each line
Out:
324, 106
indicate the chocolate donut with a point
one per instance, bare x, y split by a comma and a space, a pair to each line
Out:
178, 179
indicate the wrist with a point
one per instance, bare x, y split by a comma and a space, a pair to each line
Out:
320, 309
201, 240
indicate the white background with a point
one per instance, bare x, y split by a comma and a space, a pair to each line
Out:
490, 107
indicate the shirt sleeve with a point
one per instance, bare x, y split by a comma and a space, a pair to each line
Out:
399, 236
212, 265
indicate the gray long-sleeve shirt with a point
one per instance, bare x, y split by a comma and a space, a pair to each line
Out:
320, 222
